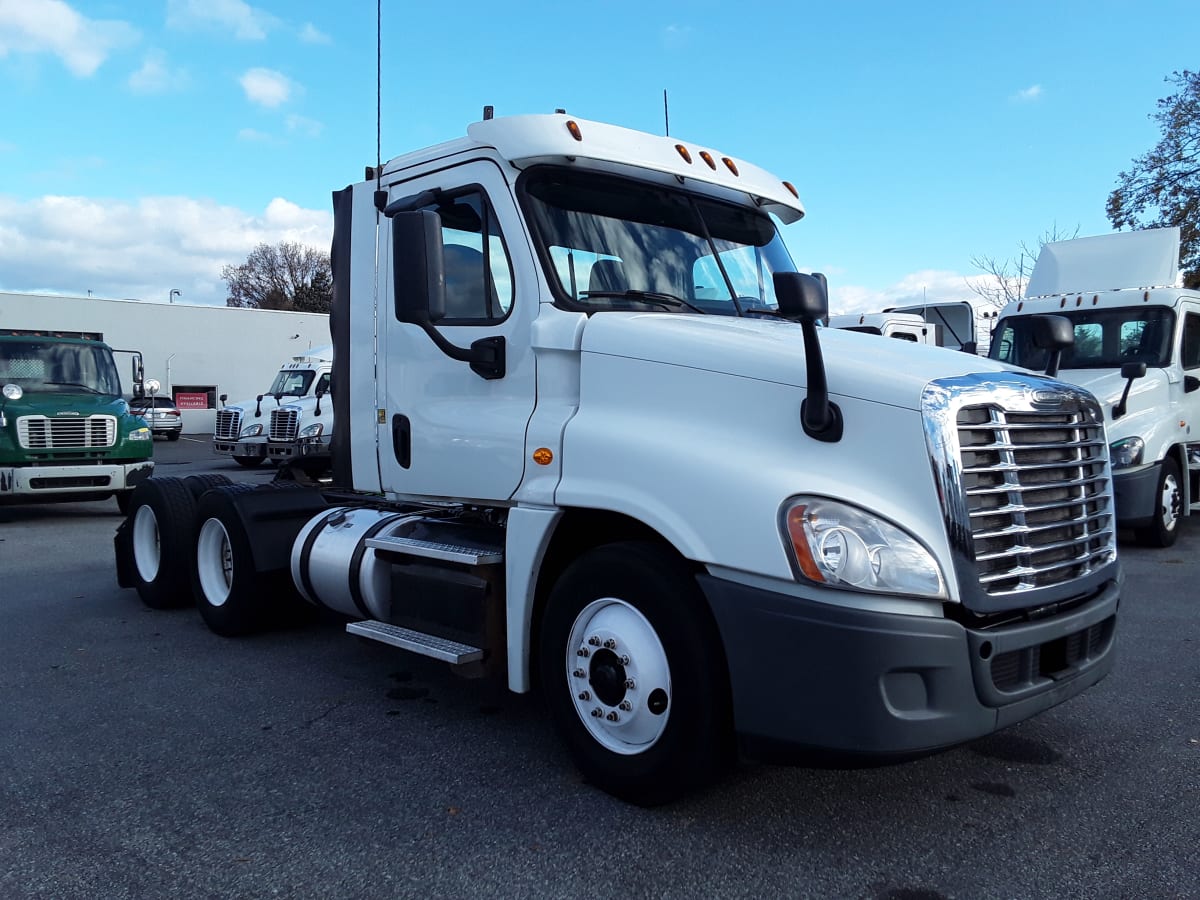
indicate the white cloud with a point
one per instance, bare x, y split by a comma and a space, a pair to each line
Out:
310, 34
1028, 95
156, 76
266, 87
246, 22
143, 248
304, 126
52, 26
676, 37
932, 285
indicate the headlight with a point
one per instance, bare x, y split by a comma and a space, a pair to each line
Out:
13, 392
843, 546
141, 434
1126, 452
252, 430
312, 431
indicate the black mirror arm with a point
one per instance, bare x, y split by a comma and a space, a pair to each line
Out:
1053, 362
486, 356
821, 419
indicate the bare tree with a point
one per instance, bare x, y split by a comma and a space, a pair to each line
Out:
1008, 276
1162, 187
282, 276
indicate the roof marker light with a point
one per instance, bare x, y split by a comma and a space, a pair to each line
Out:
683, 151
792, 189
730, 164
707, 157
573, 127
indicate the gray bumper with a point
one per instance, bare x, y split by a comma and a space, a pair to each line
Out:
809, 675
1135, 495
252, 448
34, 481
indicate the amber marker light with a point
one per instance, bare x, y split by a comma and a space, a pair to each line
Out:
707, 157
543, 456
573, 127
792, 189
795, 526
683, 151
730, 164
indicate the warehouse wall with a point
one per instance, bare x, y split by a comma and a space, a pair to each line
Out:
235, 351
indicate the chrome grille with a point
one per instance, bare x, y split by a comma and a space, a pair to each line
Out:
229, 424
285, 423
1022, 464
43, 433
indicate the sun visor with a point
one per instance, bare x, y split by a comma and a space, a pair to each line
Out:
1127, 259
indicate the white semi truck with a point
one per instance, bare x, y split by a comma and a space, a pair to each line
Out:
245, 431
901, 326
1137, 348
591, 440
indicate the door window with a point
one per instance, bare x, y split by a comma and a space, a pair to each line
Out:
479, 282
1191, 341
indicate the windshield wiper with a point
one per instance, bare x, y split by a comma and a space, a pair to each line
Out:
670, 301
88, 388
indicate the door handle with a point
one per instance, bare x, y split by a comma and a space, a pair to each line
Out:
402, 440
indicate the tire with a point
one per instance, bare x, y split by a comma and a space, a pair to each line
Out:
198, 484
646, 717
162, 520
1164, 528
232, 596
248, 462
172, 435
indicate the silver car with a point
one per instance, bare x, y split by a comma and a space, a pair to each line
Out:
161, 415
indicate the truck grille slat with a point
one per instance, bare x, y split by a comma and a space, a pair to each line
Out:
45, 433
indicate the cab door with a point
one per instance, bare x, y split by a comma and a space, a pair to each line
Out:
445, 431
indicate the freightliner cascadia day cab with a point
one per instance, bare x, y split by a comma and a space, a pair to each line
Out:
590, 439
66, 431
1136, 348
244, 430
301, 431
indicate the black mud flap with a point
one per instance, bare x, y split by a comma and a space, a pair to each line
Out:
123, 551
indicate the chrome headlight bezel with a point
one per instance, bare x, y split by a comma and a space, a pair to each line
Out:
835, 544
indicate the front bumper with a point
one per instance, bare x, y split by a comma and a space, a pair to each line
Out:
304, 448
1135, 495
34, 481
807, 675
253, 448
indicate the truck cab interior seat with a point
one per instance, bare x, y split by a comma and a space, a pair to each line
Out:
465, 297
608, 275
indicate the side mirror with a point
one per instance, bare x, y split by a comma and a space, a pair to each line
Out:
1053, 333
1130, 372
418, 269
805, 298
801, 296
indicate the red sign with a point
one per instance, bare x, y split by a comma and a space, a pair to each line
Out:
191, 401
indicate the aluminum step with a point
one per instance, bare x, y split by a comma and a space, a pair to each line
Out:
471, 556
424, 644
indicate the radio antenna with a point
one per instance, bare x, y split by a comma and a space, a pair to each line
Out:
378, 95
666, 115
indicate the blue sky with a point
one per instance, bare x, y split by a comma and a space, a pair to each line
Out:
145, 144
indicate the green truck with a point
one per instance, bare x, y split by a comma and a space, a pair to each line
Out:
66, 431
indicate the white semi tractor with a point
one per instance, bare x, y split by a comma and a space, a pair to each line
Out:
1137, 348
591, 440
253, 431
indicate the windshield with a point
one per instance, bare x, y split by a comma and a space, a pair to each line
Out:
291, 383
54, 367
1104, 339
610, 243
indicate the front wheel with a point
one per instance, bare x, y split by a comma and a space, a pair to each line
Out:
1164, 528
248, 462
634, 674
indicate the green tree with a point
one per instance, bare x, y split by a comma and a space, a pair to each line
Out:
1162, 187
281, 276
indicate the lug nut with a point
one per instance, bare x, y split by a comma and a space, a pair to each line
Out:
613, 717
597, 713
579, 673
594, 641
584, 652
585, 696
626, 706
624, 660
610, 644
630, 684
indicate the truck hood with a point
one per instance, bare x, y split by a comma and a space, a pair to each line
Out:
65, 406
1149, 396
863, 366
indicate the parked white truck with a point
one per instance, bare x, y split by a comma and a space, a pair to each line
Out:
245, 430
1137, 348
901, 326
591, 439
301, 430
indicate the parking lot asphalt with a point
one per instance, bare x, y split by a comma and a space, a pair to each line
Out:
143, 756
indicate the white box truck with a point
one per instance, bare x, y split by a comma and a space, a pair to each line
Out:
1137, 348
245, 430
590, 439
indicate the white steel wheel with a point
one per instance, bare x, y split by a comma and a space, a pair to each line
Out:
1163, 528
214, 562
619, 676
1169, 501
147, 546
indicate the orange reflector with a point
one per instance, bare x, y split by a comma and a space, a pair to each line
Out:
795, 526
543, 456
707, 157
792, 189
573, 127
683, 151
729, 164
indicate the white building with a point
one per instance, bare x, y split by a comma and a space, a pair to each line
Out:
197, 353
